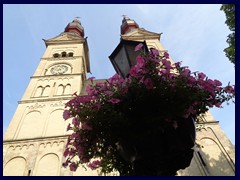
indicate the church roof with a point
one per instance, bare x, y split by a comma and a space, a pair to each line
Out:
63, 38
139, 34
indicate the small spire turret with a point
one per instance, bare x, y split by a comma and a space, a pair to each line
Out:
128, 24
75, 26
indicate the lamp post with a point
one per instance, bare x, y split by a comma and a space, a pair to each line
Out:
124, 57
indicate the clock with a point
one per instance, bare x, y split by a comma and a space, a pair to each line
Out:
59, 69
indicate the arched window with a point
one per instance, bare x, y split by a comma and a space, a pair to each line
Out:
70, 54
32, 125
56, 124
51, 161
67, 89
64, 54
38, 92
15, 167
56, 55
60, 89
46, 91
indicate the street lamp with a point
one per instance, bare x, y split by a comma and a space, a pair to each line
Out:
124, 57
163, 149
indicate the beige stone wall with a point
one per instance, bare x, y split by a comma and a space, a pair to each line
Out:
37, 120
39, 157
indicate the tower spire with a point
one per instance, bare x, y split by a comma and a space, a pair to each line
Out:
76, 27
127, 24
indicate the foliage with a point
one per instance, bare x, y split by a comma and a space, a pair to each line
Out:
156, 94
229, 10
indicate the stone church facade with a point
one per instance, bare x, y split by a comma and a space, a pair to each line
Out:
34, 142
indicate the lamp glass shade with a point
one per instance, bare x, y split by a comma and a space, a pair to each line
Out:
124, 56
120, 61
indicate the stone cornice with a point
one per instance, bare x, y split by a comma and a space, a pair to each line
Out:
140, 34
65, 38
61, 58
45, 100
144, 37
46, 76
46, 138
209, 122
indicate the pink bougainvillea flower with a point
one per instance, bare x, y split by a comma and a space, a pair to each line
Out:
166, 54
68, 127
185, 73
154, 52
65, 154
75, 122
140, 62
218, 104
201, 75
91, 91
148, 83
73, 166
166, 63
217, 82
66, 114
94, 165
138, 47
114, 78
133, 71
108, 93
177, 65
114, 100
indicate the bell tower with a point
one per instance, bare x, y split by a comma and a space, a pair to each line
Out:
214, 154
35, 139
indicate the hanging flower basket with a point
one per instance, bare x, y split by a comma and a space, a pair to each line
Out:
142, 124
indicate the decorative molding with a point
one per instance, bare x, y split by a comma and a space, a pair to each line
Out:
65, 48
62, 78
46, 79
36, 106
57, 104
28, 144
33, 140
20, 145
51, 143
45, 99
45, 76
61, 58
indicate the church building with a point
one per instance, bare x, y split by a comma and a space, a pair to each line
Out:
35, 140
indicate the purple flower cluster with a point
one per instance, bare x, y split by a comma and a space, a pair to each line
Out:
154, 78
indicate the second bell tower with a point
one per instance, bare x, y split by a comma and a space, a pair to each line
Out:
35, 139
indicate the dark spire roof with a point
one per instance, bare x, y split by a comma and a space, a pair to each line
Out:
128, 24
76, 27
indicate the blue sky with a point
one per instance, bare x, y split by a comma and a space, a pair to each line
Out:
194, 34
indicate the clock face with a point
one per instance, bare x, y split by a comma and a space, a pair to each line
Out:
59, 69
